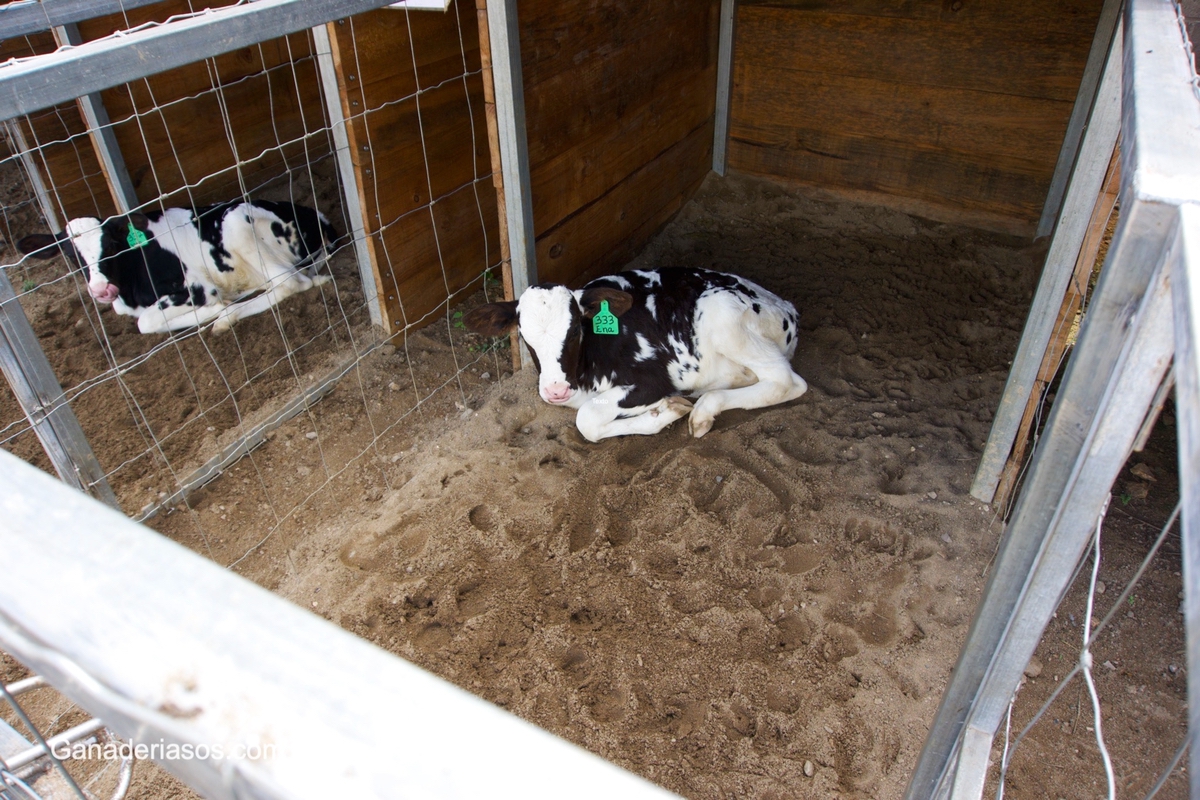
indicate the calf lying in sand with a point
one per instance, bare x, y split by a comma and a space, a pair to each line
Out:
185, 267
718, 338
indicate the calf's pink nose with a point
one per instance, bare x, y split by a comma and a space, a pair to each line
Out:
107, 294
556, 392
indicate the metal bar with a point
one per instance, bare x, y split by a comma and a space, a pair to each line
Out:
104, 140
351, 198
1086, 181
1123, 352
70, 736
34, 16
13, 128
31, 84
41, 398
509, 85
1186, 290
724, 85
135, 638
1106, 28
247, 442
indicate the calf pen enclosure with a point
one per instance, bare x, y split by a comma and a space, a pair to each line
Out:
773, 610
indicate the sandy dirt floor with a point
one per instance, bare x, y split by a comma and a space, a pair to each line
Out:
771, 611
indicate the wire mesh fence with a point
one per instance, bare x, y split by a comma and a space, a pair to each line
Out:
414, 224
51, 749
1107, 686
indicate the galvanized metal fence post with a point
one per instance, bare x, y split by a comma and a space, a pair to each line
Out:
1125, 344
724, 86
346, 172
1186, 295
1086, 181
104, 141
41, 398
509, 85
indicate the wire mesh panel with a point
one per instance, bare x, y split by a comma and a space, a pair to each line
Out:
167, 412
50, 749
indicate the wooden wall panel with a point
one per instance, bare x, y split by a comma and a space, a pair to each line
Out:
960, 105
413, 94
604, 235
617, 97
192, 126
171, 127
65, 156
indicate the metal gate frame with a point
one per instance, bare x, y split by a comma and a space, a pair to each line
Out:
1146, 310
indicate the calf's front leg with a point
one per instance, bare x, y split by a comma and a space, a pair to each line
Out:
601, 417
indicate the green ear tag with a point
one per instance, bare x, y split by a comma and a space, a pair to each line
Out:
136, 238
605, 322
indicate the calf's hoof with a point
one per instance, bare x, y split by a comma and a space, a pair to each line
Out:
700, 425
674, 406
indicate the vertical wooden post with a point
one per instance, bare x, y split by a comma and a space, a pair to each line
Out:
1072, 304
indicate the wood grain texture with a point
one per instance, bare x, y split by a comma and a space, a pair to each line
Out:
434, 253
65, 156
970, 122
601, 237
417, 125
1009, 188
1060, 16
961, 104
601, 85
171, 127
616, 95
998, 56
582, 174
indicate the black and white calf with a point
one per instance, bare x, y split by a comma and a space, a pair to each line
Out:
716, 337
187, 267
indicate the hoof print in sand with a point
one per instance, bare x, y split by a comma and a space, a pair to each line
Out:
879, 537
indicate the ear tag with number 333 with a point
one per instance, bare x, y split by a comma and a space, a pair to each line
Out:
605, 322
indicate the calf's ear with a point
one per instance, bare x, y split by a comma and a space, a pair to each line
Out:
618, 302
139, 221
39, 245
493, 319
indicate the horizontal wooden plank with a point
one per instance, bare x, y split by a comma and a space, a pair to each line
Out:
982, 124
578, 176
608, 232
388, 61
573, 104
68, 162
419, 261
398, 166
183, 143
1003, 57
1061, 16
557, 37
996, 186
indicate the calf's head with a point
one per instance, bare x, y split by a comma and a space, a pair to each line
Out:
94, 247
550, 319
